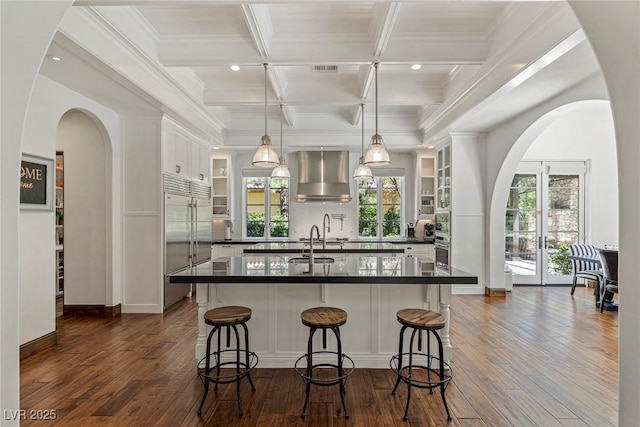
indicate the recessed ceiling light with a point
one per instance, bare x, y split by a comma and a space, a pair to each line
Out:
54, 57
235, 67
430, 146
416, 66
216, 148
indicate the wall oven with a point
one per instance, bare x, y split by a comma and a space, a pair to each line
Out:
442, 240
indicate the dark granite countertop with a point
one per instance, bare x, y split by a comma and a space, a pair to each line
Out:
331, 247
398, 241
346, 268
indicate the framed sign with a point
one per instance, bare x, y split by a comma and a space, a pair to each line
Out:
36, 183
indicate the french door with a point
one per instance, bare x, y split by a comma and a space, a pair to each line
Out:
545, 214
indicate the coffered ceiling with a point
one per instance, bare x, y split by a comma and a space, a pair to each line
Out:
481, 62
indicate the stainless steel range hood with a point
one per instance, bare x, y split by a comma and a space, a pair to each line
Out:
323, 176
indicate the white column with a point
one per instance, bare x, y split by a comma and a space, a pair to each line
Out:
467, 207
613, 29
33, 24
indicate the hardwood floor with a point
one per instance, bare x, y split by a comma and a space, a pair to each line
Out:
537, 357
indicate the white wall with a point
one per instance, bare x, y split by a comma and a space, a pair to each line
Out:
304, 215
85, 269
37, 233
587, 135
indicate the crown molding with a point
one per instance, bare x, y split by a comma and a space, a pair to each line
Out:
549, 26
80, 21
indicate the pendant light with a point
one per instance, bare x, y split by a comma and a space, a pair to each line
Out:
377, 154
362, 171
265, 155
281, 171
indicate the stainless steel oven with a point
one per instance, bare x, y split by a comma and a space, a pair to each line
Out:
442, 254
442, 240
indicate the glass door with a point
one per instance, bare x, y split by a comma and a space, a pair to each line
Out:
545, 214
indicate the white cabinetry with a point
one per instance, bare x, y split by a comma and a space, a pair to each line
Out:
200, 161
176, 152
419, 249
183, 155
426, 186
444, 178
228, 249
223, 250
221, 181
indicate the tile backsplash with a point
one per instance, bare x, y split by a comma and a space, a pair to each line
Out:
303, 216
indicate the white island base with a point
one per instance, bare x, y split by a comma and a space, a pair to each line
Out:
370, 336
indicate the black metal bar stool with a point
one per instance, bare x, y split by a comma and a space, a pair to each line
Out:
227, 318
324, 318
421, 320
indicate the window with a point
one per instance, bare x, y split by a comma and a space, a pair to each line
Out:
266, 204
380, 207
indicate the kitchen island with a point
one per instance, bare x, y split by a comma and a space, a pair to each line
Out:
370, 287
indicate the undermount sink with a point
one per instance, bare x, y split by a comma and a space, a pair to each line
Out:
316, 260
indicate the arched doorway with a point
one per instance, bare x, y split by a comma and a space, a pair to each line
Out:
564, 191
82, 143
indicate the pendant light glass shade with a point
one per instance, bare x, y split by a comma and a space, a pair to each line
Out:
377, 154
265, 155
281, 171
362, 171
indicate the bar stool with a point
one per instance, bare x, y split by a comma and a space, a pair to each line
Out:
324, 318
228, 318
421, 320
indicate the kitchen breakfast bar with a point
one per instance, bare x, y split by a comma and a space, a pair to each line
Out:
371, 288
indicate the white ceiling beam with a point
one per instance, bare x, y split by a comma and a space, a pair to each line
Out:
384, 27
279, 83
261, 29
199, 51
259, 23
318, 96
288, 115
355, 119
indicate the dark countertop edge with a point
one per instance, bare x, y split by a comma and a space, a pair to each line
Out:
324, 251
372, 280
251, 242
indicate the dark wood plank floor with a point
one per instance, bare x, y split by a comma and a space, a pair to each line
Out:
536, 357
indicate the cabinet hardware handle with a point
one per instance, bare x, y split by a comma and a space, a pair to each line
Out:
178, 168
201, 177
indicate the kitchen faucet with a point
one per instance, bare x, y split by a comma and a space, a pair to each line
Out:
311, 246
328, 228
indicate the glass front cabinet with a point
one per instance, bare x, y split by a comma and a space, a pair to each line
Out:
221, 186
444, 179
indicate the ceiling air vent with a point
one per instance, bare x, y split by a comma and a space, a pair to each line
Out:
325, 68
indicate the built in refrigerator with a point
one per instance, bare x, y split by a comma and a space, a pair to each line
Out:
187, 230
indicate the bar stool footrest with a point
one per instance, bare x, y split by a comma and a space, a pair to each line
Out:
228, 378
427, 383
346, 370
